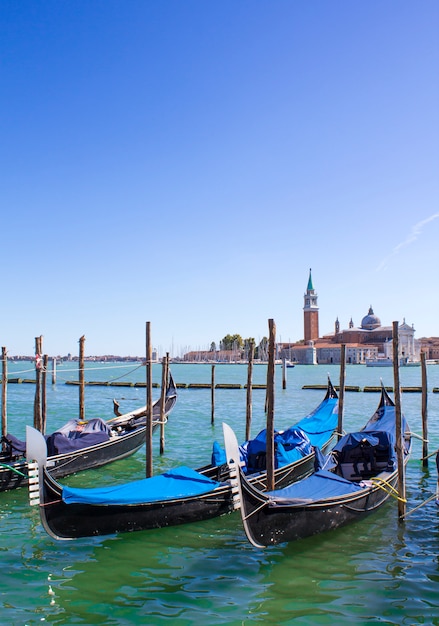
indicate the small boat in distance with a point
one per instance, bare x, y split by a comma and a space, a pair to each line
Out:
363, 475
388, 362
379, 362
78, 446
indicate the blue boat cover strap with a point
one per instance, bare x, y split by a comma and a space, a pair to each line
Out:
181, 482
319, 486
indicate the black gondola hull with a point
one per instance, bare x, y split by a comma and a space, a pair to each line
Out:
267, 524
69, 521
15, 474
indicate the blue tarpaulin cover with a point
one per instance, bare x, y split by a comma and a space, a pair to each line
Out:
73, 436
180, 482
291, 444
384, 419
320, 485
17, 446
319, 424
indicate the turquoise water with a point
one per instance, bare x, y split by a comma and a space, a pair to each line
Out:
377, 571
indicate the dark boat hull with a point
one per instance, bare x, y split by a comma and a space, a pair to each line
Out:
267, 525
15, 474
69, 521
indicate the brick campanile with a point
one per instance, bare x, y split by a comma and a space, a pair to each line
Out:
310, 313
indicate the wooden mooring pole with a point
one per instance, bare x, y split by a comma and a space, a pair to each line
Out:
4, 394
54, 371
44, 394
248, 411
165, 376
284, 373
341, 391
37, 400
424, 410
270, 405
212, 396
148, 434
81, 374
399, 433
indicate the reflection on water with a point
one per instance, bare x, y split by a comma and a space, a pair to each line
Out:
374, 571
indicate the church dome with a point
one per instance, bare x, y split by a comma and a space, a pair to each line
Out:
370, 321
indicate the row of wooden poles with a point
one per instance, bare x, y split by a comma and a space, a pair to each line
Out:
40, 389
40, 401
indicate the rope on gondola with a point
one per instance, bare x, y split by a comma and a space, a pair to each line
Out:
433, 497
387, 488
13, 469
338, 434
416, 436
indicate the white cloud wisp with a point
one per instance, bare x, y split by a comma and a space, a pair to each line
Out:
413, 235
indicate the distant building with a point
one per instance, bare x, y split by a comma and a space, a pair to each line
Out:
430, 346
370, 340
213, 356
310, 313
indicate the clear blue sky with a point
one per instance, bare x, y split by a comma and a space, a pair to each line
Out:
186, 162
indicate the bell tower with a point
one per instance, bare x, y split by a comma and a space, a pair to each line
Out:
310, 312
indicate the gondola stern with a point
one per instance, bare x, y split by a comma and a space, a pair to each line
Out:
385, 399
331, 392
36, 448
233, 461
36, 456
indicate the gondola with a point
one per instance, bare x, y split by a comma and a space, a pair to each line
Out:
363, 476
178, 496
80, 445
